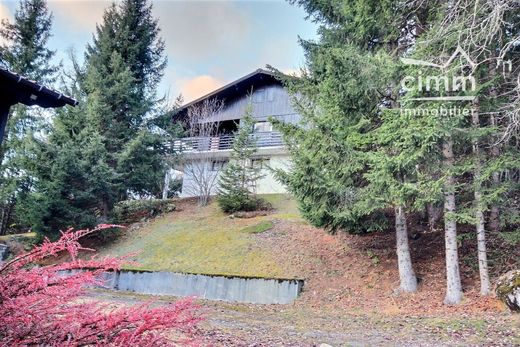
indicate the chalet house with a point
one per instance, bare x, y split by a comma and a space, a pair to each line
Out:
207, 155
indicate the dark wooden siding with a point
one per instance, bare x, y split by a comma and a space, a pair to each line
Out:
267, 101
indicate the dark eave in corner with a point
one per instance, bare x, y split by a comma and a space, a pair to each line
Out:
232, 89
17, 89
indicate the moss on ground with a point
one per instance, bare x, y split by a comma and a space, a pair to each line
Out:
25, 236
259, 228
205, 240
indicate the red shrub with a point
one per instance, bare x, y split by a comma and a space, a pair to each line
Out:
41, 306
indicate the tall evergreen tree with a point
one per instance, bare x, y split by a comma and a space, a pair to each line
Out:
108, 149
471, 148
25, 49
124, 66
349, 85
392, 160
25, 52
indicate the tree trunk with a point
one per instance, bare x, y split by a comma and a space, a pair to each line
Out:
453, 282
494, 215
479, 209
485, 285
4, 116
7, 211
407, 279
434, 213
166, 188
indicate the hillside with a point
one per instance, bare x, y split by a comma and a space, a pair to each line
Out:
355, 272
205, 240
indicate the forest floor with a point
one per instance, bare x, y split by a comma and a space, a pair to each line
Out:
349, 295
233, 324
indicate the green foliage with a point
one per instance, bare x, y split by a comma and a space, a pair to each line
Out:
511, 237
131, 211
25, 41
23, 50
110, 147
240, 200
340, 101
238, 180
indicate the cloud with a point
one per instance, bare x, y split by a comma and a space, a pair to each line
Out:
79, 15
196, 87
4, 14
292, 72
201, 29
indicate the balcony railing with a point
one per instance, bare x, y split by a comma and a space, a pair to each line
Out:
223, 142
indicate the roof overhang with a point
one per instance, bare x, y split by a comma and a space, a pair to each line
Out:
231, 90
17, 89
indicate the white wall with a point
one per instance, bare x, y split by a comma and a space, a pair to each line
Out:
266, 185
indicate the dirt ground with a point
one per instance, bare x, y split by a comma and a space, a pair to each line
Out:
359, 273
349, 296
229, 324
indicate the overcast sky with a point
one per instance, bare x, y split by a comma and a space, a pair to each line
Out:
209, 43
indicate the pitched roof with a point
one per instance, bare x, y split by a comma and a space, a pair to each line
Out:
17, 89
237, 87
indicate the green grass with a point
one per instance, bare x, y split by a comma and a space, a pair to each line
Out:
25, 236
205, 240
259, 228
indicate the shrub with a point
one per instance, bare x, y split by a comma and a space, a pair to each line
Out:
131, 211
241, 200
40, 305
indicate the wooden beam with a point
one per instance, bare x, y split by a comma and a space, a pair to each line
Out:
4, 116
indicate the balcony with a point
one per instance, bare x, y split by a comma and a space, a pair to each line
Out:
225, 142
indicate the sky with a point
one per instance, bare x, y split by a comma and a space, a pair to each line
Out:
208, 43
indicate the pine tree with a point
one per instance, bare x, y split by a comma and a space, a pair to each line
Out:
237, 183
124, 66
341, 175
26, 49
26, 53
108, 148
473, 158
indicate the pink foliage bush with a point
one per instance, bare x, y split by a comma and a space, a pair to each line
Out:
41, 306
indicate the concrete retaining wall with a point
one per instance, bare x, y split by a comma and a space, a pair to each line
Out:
226, 288
4, 252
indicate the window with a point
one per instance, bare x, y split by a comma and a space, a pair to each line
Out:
217, 165
260, 163
270, 94
259, 96
261, 127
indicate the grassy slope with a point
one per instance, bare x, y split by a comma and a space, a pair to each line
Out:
204, 240
25, 236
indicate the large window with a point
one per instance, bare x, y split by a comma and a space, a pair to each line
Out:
259, 96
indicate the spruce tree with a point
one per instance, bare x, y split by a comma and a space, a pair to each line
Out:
474, 157
237, 183
340, 175
125, 63
108, 148
24, 52
355, 153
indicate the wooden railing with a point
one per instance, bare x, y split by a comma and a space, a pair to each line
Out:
224, 142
